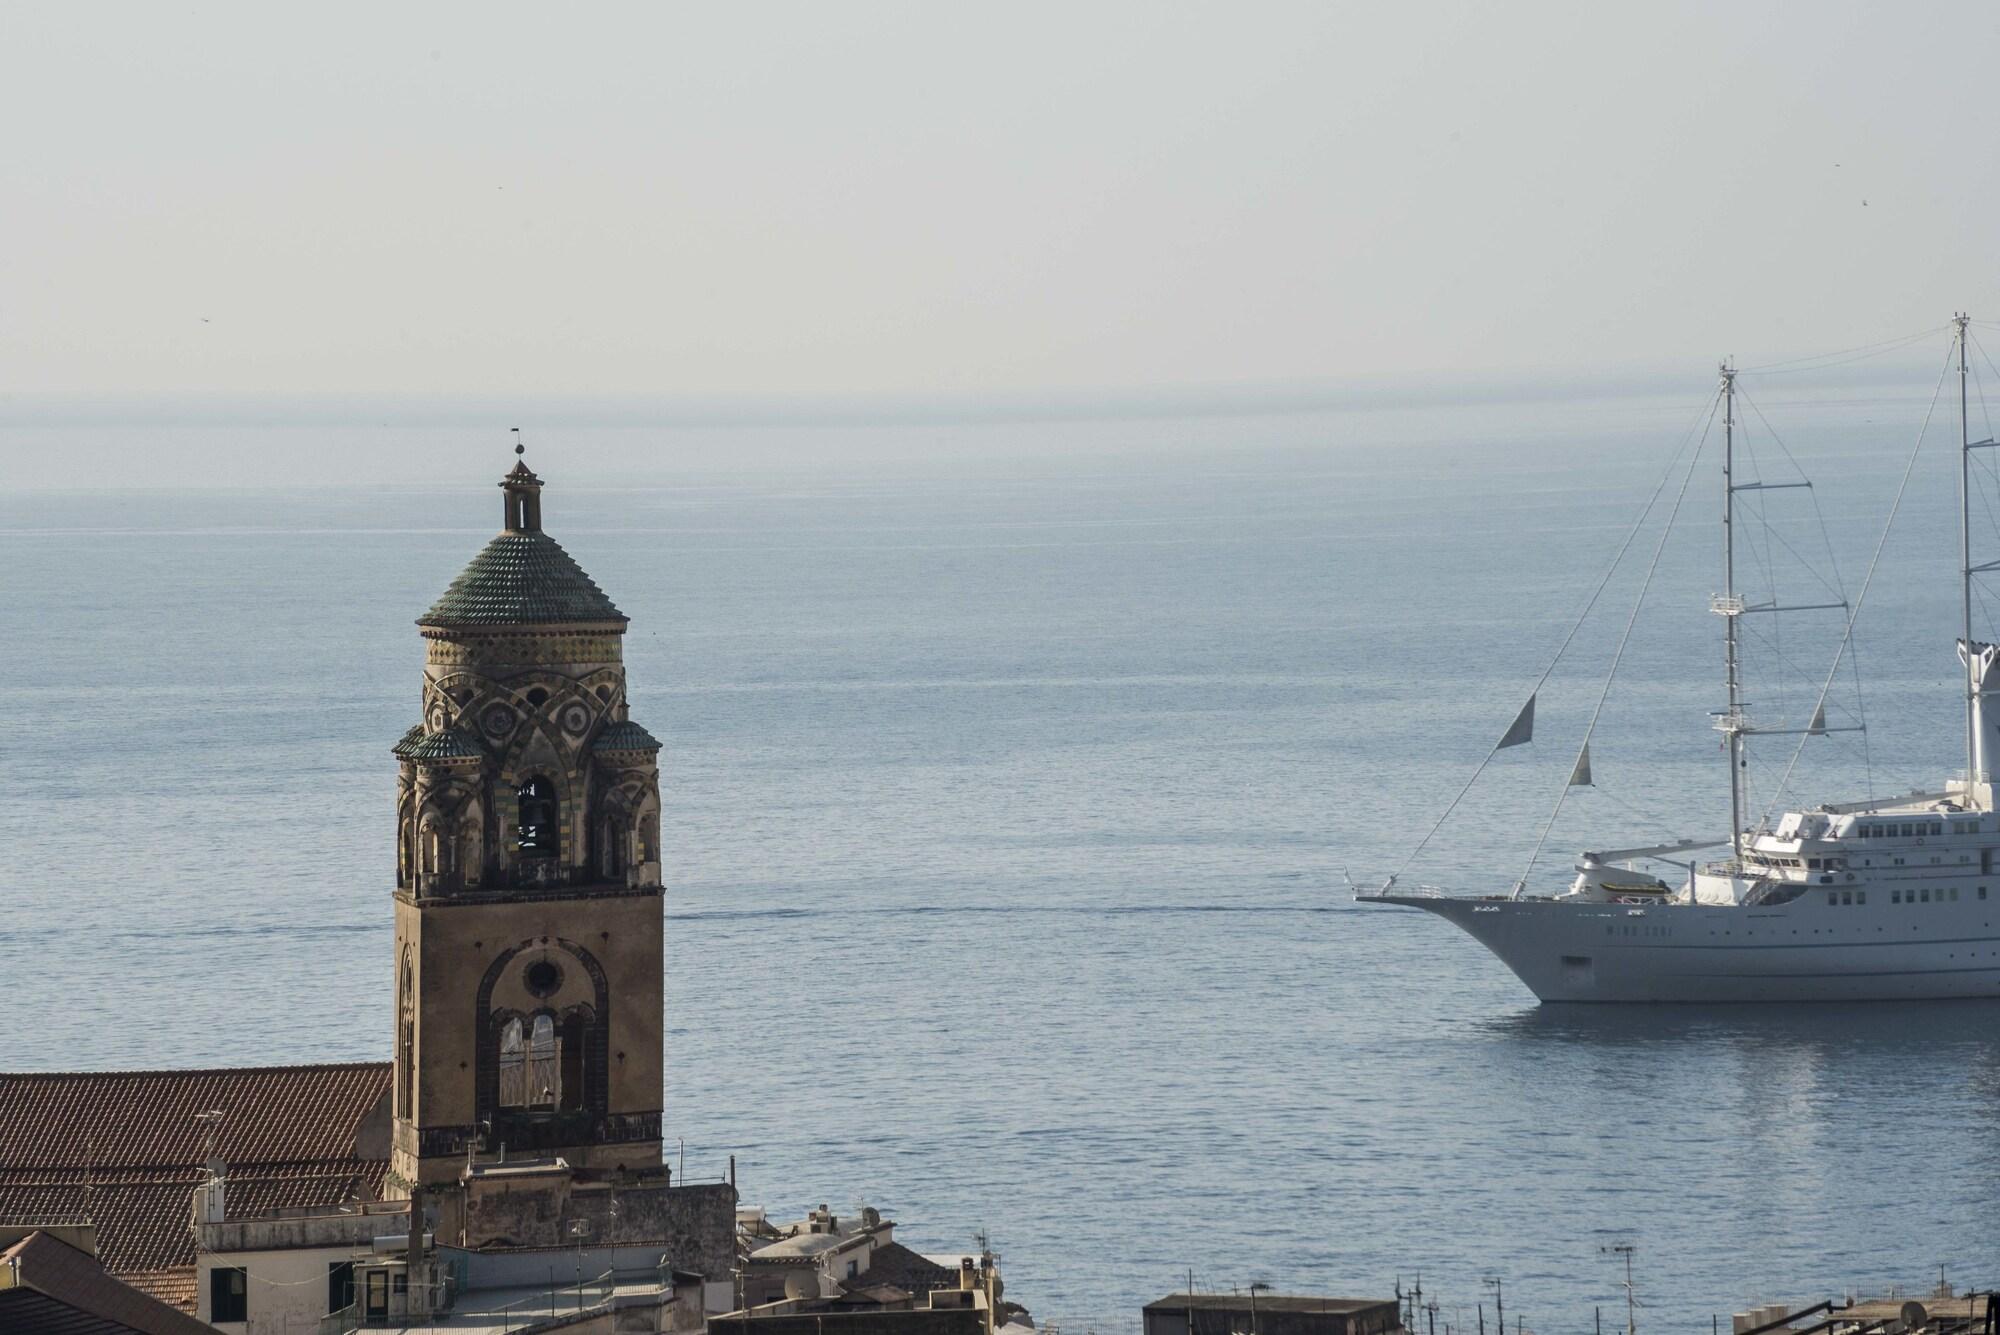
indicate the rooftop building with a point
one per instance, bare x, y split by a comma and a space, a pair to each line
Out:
1270, 1314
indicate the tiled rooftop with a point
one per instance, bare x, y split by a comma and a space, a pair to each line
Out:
625, 735
123, 1149
64, 1291
521, 578
451, 744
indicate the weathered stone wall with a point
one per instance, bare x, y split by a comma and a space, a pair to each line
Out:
919, 1321
689, 1228
455, 947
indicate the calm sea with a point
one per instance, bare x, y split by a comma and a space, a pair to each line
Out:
1009, 793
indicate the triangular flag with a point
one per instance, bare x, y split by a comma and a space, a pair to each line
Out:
1580, 776
1522, 729
1818, 725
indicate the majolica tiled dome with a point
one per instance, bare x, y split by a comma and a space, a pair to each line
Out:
523, 576
451, 744
625, 735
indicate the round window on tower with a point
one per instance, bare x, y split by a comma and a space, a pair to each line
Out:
541, 978
575, 718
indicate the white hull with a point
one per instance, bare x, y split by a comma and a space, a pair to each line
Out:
1806, 950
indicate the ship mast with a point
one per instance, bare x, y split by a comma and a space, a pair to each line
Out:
1731, 608
1965, 570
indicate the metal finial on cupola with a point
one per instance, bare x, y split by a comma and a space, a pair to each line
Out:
524, 492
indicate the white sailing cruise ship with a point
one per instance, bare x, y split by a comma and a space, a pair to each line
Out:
1875, 900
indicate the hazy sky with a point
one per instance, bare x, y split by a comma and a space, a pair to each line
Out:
735, 199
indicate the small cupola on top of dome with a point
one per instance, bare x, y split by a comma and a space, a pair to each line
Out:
522, 577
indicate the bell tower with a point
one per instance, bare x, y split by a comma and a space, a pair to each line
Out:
528, 901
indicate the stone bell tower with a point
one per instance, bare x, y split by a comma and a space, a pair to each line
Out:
528, 901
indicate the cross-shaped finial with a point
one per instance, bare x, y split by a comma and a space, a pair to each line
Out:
519, 448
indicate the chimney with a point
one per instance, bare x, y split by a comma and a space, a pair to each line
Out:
414, 1257
209, 1202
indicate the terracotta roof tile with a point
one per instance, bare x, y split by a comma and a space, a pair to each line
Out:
175, 1288
87, 1299
145, 1119
122, 1149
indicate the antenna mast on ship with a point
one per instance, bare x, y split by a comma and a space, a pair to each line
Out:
1965, 574
1731, 607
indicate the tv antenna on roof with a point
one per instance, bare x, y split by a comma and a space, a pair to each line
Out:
209, 1121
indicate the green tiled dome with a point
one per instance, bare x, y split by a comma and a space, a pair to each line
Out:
625, 735
451, 744
521, 577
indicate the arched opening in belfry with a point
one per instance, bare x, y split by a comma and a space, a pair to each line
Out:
539, 811
470, 862
613, 843
433, 853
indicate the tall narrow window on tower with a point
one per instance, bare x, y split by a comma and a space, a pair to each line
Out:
513, 1065
406, 1038
544, 1064
538, 818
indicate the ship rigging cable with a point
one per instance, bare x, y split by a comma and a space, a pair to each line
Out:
1703, 421
1841, 357
1837, 588
1583, 750
1868, 579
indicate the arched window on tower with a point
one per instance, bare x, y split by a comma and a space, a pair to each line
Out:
539, 811
612, 844
544, 1064
513, 1065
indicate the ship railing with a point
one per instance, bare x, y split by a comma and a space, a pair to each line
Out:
1415, 891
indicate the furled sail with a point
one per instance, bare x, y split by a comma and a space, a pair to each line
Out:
1522, 729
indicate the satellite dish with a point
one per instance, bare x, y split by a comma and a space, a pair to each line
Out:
1914, 1316
799, 1287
